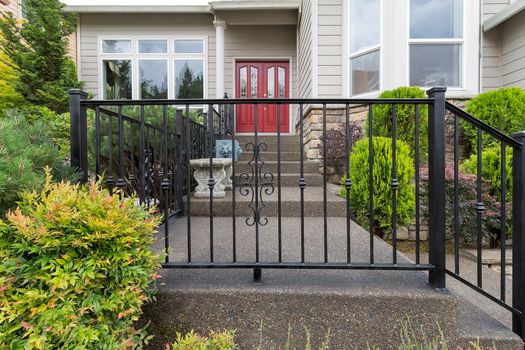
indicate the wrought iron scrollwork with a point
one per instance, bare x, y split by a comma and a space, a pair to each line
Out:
256, 183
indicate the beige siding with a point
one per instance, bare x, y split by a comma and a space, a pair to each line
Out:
491, 51
513, 51
259, 43
12, 6
330, 44
128, 25
305, 51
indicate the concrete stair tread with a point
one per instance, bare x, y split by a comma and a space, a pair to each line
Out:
288, 194
475, 324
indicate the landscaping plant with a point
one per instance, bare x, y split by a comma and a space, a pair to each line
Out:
405, 118
9, 97
193, 341
37, 46
491, 169
503, 109
25, 149
76, 266
336, 146
382, 177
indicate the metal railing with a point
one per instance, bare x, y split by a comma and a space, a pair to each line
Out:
155, 164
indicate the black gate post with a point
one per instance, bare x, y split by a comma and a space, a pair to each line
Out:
436, 192
78, 132
518, 235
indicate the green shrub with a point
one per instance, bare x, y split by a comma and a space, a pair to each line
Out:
76, 266
382, 177
405, 119
502, 109
25, 149
193, 341
491, 169
9, 97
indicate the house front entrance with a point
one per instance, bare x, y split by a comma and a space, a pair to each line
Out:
260, 79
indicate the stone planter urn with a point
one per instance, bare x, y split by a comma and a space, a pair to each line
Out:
221, 173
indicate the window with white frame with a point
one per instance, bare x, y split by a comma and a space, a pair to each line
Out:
365, 38
436, 43
146, 68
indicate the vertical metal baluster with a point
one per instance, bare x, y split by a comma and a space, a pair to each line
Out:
418, 203
279, 219
348, 183
120, 182
479, 209
394, 185
503, 220
302, 182
371, 182
234, 214
111, 179
179, 175
142, 157
165, 185
211, 180
132, 177
325, 189
188, 155
456, 195
256, 175
188, 178
97, 141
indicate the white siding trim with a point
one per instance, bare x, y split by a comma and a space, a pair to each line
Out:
315, 48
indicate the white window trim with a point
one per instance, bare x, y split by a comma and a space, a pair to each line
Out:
394, 49
350, 56
135, 56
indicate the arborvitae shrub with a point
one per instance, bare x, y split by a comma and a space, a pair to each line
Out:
382, 177
76, 266
405, 119
503, 109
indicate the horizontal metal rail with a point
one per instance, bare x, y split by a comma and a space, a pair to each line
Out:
296, 265
305, 101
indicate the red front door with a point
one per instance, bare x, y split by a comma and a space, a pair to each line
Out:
262, 80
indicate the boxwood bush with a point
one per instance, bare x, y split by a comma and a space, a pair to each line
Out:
405, 118
382, 177
502, 109
75, 269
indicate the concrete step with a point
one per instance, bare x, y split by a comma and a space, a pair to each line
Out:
290, 204
354, 306
292, 180
272, 147
272, 156
287, 167
285, 139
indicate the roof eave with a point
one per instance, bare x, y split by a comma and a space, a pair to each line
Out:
255, 5
504, 15
137, 9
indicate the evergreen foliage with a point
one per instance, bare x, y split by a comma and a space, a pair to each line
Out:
503, 109
25, 149
405, 118
37, 47
382, 177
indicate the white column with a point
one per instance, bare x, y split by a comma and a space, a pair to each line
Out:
220, 27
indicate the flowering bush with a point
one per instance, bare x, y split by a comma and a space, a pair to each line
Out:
75, 269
